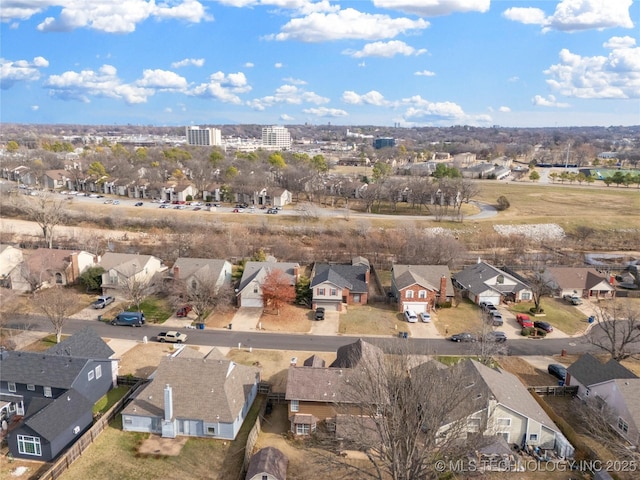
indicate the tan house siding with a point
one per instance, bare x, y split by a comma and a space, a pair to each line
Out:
323, 410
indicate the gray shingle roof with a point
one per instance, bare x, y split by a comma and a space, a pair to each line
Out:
578, 278
427, 276
475, 276
259, 270
85, 343
349, 356
205, 389
353, 277
319, 385
588, 370
39, 368
314, 361
53, 419
268, 460
203, 268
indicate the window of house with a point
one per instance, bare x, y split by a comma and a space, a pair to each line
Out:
500, 279
295, 406
98, 371
265, 477
505, 435
302, 429
321, 291
59, 278
422, 294
128, 420
409, 294
194, 284
29, 445
334, 292
504, 422
525, 296
357, 298
473, 424
11, 386
255, 288
622, 425
31, 387
533, 437
91, 375
47, 391
211, 430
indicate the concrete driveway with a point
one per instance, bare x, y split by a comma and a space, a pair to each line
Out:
328, 326
246, 319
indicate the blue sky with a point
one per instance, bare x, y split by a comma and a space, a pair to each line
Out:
367, 62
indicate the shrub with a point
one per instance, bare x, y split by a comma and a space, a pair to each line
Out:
503, 203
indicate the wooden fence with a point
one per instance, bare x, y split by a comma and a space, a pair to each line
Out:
72, 453
556, 391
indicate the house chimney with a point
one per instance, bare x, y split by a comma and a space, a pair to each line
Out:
479, 260
366, 276
176, 273
75, 267
168, 403
296, 272
443, 290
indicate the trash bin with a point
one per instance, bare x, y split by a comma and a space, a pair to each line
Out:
561, 383
405, 334
200, 326
99, 318
592, 319
230, 326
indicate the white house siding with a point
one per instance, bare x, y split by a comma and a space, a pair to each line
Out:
328, 301
609, 392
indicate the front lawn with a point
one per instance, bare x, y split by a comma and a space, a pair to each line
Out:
465, 317
559, 314
156, 310
377, 319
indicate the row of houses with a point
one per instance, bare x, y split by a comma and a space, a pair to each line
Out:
334, 286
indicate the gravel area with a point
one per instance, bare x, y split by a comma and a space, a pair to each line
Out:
541, 231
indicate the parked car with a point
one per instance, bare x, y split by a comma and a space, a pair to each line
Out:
164, 205
183, 311
103, 301
524, 320
495, 319
130, 319
425, 317
319, 313
238, 210
272, 211
488, 306
557, 371
573, 299
139, 204
108, 202
543, 326
463, 337
410, 316
172, 337
497, 337
116, 202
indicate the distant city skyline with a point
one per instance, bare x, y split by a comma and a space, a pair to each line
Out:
408, 63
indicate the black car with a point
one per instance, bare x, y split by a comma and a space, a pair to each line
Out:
497, 337
557, 371
463, 337
543, 326
319, 313
139, 204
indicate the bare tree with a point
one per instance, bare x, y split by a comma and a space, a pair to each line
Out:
135, 286
46, 211
56, 306
540, 285
618, 329
202, 294
402, 415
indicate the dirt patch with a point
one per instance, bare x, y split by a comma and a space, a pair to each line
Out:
527, 373
156, 445
289, 318
143, 359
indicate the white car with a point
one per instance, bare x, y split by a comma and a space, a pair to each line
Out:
410, 316
425, 317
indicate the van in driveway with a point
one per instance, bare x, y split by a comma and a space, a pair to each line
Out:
130, 319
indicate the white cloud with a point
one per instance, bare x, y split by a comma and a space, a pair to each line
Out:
346, 24
249, 65
163, 80
326, 112
287, 94
35, 108
168, 110
550, 101
616, 75
286, 118
88, 83
277, 65
504, 109
195, 62
576, 15
425, 73
294, 81
112, 16
370, 98
515, 78
434, 8
421, 111
20, 71
303, 7
385, 49
223, 87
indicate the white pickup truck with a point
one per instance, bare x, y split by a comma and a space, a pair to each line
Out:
171, 337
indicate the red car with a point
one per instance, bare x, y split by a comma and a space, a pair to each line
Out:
183, 311
524, 320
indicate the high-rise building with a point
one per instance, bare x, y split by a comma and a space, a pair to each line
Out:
276, 137
204, 136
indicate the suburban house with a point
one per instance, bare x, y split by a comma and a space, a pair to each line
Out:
200, 397
47, 397
280, 197
482, 282
177, 191
318, 394
421, 287
249, 292
336, 285
55, 179
212, 193
614, 386
46, 267
268, 463
123, 268
503, 406
193, 271
10, 267
584, 282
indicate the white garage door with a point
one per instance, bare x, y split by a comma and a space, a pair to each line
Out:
494, 300
417, 307
328, 306
252, 302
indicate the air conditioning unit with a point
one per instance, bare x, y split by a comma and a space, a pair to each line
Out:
76, 430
